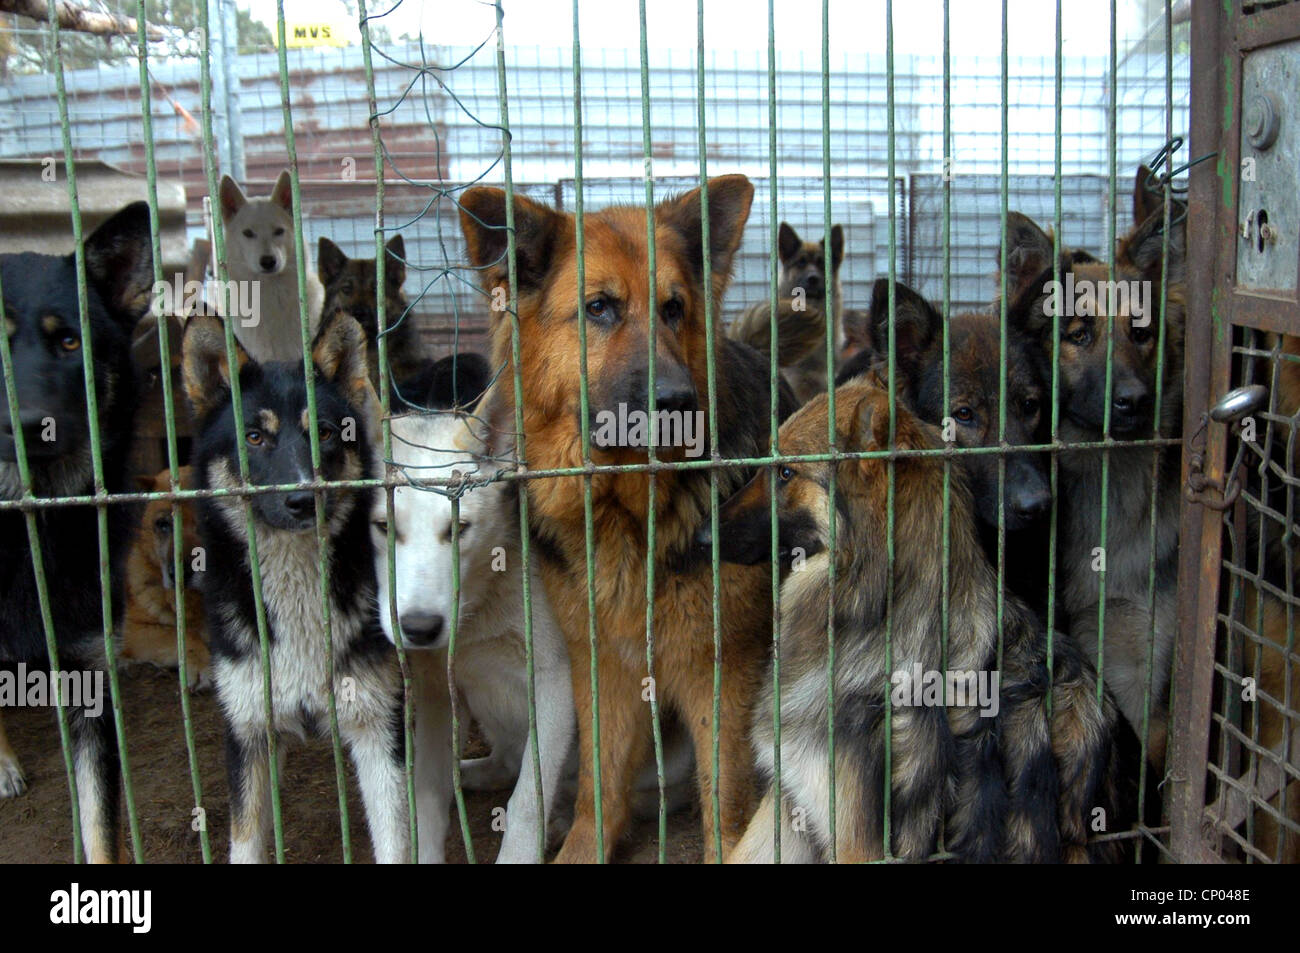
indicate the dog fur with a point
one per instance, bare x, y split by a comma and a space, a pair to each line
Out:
617, 314
274, 426
260, 249
149, 624
801, 323
42, 324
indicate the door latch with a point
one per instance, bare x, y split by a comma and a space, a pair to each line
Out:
1232, 409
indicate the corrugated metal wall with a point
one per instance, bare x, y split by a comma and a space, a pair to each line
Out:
439, 128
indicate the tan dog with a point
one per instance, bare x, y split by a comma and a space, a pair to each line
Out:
149, 625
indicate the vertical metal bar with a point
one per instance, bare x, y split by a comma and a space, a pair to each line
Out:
42, 589
832, 440
774, 386
1056, 375
309, 375
456, 784
584, 425
711, 370
652, 455
169, 411
96, 442
1002, 340
892, 359
386, 430
945, 595
241, 450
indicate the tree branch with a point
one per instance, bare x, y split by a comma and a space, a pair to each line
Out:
73, 17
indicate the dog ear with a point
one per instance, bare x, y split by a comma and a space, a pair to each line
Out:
145, 483
837, 248
119, 263
339, 353
232, 198
330, 261
916, 325
729, 199
1145, 201
282, 191
1029, 252
787, 242
1143, 248
205, 370
395, 266
483, 222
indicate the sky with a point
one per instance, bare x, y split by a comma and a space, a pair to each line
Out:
857, 26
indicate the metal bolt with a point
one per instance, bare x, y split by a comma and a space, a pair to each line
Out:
1263, 117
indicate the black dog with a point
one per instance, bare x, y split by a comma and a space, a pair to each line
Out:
42, 323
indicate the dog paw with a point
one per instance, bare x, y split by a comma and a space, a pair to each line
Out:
12, 782
486, 774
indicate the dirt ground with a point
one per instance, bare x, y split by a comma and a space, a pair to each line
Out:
37, 827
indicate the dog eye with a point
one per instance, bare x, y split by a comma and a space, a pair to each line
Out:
964, 414
1079, 336
326, 433
1140, 335
279, 232
248, 233
1029, 406
464, 525
786, 474
381, 526
163, 524
673, 311
346, 287
598, 308
70, 342
254, 438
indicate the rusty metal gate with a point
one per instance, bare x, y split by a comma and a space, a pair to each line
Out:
1235, 768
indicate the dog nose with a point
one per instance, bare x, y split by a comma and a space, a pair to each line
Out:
812, 283
267, 262
421, 628
1032, 504
299, 503
704, 536
1128, 400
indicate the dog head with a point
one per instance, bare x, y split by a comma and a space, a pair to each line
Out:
274, 426
803, 264
42, 321
972, 413
259, 232
1085, 304
803, 500
349, 284
617, 307
156, 530
427, 446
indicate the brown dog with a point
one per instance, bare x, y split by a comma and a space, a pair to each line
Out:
149, 623
617, 313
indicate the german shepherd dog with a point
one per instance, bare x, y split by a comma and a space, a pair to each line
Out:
1083, 345
971, 417
350, 288
42, 324
614, 306
274, 427
801, 311
1008, 782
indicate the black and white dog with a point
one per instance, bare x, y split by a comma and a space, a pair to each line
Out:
274, 428
43, 325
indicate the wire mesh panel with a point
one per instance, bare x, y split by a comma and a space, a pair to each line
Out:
476, 269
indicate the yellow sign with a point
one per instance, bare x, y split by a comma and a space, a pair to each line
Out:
315, 33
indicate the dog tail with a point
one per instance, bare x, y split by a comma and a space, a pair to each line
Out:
800, 332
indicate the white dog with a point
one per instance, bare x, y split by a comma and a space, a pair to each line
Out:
490, 654
261, 259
